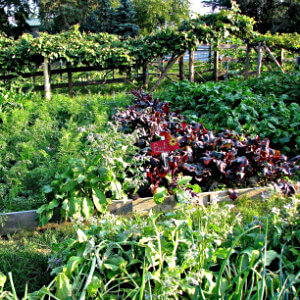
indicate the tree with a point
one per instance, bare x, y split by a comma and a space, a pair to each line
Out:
152, 14
13, 15
60, 15
105, 16
270, 15
124, 22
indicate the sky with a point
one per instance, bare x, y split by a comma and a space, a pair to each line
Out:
197, 6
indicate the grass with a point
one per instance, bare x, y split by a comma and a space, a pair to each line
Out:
26, 255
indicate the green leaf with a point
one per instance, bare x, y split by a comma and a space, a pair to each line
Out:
270, 256
74, 207
94, 286
87, 208
80, 178
72, 264
42, 208
99, 199
160, 195
45, 217
81, 236
2, 280
63, 287
47, 189
184, 180
53, 204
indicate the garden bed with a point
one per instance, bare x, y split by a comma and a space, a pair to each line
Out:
22, 220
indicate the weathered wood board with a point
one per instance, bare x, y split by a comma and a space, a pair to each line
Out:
16, 221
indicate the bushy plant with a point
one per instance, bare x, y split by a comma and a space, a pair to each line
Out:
190, 253
266, 106
222, 158
37, 139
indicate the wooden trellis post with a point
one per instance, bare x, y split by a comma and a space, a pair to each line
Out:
273, 58
191, 66
145, 75
248, 49
70, 83
216, 65
181, 68
47, 86
259, 60
282, 52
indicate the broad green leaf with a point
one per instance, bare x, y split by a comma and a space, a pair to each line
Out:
53, 204
94, 286
42, 208
47, 189
99, 199
87, 208
72, 264
45, 217
160, 195
184, 180
63, 287
271, 255
74, 206
81, 236
2, 280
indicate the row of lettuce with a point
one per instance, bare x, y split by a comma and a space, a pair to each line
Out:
108, 51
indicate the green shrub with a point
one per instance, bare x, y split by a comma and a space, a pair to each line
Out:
267, 107
38, 137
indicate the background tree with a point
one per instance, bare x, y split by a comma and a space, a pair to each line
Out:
124, 22
152, 14
270, 15
105, 15
13, 15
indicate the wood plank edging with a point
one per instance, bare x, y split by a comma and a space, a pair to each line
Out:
17, 221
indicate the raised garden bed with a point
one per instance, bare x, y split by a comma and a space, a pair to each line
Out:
17, 221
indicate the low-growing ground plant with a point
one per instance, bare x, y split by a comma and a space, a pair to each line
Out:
189, 253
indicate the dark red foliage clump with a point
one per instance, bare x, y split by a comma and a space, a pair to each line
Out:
223, 158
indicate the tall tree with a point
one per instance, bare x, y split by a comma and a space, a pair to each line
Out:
60, 15
152, 14
13, 15
124, 22
270, 15
105, 14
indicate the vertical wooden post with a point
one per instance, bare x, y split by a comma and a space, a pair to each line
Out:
209, 56
227, 69
216, 65
281, 60
191, 66
181, 68
248, 49
259, 60
70, 83
145, 75
47, 86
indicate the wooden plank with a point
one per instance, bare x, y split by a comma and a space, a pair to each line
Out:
144, 205
17, 221
58, 71
122, 207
